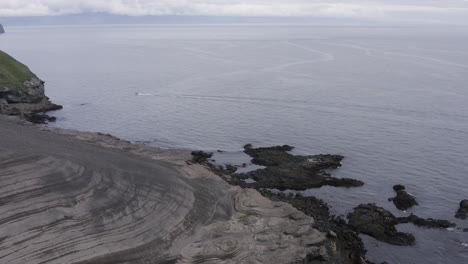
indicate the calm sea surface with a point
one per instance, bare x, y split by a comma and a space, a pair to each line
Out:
394, 101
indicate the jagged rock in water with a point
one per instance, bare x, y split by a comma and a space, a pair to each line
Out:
286, 171
403, 200
378, 223
462, 212
429, 222
2, 30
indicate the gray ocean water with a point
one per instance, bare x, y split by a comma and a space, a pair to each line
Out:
393, 100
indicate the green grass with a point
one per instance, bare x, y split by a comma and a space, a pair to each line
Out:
244, 217
13, 73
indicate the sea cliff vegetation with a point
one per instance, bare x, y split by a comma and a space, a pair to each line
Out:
13, 73
22, 92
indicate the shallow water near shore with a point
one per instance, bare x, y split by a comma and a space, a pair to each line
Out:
392, 100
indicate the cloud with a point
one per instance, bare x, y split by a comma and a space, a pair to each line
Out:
383, 9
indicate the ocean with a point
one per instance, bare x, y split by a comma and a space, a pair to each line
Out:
392, 100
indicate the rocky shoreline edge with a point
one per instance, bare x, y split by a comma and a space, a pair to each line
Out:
284, 171
22, 93
339, 237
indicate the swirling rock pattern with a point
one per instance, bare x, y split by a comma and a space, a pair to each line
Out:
72, 197
262, 231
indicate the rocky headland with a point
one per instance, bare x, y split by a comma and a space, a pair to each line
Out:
2, 30
22, 92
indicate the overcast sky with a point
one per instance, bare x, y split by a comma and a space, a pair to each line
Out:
393, 10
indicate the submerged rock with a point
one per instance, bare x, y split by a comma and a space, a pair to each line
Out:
403, 200
378, 223
286, 171
462, 212
429, 222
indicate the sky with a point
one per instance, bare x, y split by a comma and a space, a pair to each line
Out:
428, 11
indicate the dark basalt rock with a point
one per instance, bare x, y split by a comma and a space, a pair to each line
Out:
201, 156
462, 212
39, 118
378, 223
231, 169
398, 188
403, 200
286, 171
348, 243
429, 222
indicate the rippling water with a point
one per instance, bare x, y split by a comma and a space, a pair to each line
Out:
392, 100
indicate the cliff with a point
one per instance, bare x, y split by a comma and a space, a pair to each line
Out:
21, 91
17, 83
2, 30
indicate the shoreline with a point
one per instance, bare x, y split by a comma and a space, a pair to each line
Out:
336, 240
250, 226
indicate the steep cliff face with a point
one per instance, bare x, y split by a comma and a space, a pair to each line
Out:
21, 91
1, 29
17, 83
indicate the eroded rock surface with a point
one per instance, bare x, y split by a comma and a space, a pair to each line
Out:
348, 245
262, 232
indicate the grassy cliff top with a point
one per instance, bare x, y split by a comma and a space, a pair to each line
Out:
13, 73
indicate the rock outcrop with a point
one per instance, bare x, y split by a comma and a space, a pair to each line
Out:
429, 222
462, 212
403, 200
21, 91
348, 245
285, 171
2, 30
378, 223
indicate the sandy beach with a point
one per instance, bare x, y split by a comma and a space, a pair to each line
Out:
78, 197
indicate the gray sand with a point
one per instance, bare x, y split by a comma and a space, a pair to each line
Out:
70, 197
